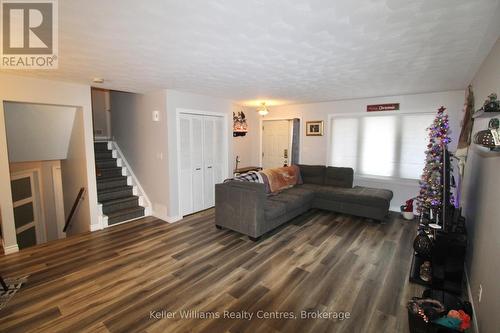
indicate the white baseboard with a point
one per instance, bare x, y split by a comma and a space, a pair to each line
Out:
471, 300
10, 249
166, 218
95, 227
173, 219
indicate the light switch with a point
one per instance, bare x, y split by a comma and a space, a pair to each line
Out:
156, 115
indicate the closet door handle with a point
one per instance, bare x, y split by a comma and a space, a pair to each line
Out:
197, 169
210, 167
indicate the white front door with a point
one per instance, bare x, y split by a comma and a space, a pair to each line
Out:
276, 138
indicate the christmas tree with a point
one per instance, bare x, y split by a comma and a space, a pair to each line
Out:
431, 189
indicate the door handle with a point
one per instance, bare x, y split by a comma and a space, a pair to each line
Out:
209, 167
198, 169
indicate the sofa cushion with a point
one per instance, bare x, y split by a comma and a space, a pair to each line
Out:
313, 174
362, 195
340, 177
274, 209
300, 190
291, 202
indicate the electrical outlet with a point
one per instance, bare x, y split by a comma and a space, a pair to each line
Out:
480, 293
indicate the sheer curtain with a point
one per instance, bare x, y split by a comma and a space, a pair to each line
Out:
381, 145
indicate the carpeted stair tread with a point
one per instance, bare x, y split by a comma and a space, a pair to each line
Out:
116, 189
125, 211
125, 215
121, 191
111, 179
106, 160
119, 200
103, 155
114, 205
100, 146
110, 174
102, 172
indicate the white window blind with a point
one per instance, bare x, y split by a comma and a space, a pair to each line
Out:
386, 145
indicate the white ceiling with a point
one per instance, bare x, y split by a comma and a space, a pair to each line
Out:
289, 50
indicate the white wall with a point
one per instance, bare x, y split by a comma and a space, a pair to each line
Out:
74, 177
151, 147
47, 192
144, 142
38, 132
182, 100
246, 147
481, 195
314, 148
30, 90
101, 113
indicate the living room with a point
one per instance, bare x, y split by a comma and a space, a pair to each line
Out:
252, 167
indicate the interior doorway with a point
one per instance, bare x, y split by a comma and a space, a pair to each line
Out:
101, 114
46, 155
280, 142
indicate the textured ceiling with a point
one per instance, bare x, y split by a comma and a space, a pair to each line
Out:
288, 50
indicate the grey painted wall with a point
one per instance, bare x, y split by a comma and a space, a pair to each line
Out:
481, 196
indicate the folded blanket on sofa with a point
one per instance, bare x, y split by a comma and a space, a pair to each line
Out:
252, 176
278, 179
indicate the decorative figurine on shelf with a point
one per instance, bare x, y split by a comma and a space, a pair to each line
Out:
426, 271
407, 210
423, 243
240, 127
489, 138
492, 104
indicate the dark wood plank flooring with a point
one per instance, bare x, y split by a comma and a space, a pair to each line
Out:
111, 280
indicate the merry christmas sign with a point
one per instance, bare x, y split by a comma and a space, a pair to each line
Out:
382, 107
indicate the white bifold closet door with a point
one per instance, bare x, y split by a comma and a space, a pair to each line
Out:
201, 154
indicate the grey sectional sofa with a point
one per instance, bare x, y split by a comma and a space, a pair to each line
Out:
246, 208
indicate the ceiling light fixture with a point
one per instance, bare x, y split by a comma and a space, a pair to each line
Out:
98, 80
262, 109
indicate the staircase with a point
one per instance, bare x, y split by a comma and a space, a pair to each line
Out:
118, 199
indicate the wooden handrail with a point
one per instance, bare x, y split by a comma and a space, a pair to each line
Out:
73, 209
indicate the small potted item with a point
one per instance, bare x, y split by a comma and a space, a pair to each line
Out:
407, 210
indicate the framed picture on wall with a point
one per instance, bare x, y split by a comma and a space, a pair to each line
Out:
314, 128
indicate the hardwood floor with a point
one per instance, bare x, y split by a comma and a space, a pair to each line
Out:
114, 280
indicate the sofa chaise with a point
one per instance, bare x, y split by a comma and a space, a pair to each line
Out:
246, 208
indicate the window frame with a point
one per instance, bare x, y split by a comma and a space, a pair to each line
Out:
396, 177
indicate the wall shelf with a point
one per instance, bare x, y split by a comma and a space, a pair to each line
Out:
481, 114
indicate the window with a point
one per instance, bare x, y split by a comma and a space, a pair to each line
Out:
381, 145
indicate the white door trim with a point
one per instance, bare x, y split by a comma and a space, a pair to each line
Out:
58, 200
36, 194
225, 144
261, 123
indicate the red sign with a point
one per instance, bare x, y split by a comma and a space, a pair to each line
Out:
382, 107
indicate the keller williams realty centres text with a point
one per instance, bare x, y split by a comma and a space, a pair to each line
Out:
247, 315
